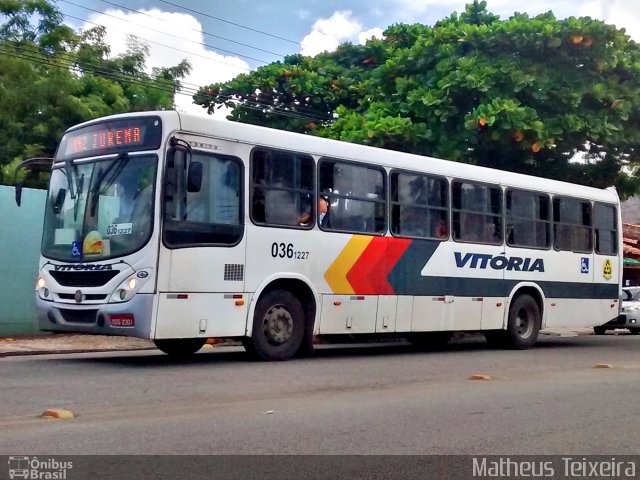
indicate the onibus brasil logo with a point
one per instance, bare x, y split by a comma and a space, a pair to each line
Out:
36, 469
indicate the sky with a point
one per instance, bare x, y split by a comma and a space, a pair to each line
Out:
222, 39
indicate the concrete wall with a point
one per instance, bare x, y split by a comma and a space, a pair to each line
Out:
20, 236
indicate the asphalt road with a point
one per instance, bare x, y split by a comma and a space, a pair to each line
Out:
388, 399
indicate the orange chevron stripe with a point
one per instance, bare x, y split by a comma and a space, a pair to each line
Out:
336, 274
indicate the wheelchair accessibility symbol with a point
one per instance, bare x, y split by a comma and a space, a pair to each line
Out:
584, 265
75, 249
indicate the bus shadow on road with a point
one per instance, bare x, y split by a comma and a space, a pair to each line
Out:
224, 355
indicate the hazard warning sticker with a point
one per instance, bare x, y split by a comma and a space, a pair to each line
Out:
607, 270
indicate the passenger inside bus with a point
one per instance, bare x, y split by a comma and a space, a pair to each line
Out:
442, 231
323, 211
306, 217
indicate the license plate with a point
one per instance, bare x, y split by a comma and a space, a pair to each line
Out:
126, 320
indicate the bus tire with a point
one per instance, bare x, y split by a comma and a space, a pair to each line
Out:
599, 330
180, 347
524, 322
278, 327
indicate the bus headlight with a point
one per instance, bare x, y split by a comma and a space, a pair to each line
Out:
127, 289
41, 288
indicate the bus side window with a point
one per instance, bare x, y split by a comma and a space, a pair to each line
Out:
211, 214
477, 212
528, 216
572, 225
282, 188
356, 194
419, 206
604, 223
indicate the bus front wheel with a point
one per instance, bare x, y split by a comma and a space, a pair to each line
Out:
278, 327
180, 347
524, 323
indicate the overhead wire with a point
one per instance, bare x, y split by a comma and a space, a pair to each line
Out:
202, 31
257, 105
253, 105
264, 62
305, 110
165, 46
308, 111
230, 22
192, 89
159, 31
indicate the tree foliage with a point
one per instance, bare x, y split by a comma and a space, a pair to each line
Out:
52, 77
524, 94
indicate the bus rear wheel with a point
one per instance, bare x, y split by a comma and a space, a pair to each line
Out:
524, 323
180, 347
278, 327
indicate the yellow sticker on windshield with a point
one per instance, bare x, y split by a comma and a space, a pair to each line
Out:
607, 270
92, 244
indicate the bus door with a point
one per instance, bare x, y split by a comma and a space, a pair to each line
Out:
476, 257
528, 240
201, 268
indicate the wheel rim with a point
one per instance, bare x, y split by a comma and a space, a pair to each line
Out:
277, 325
524, 323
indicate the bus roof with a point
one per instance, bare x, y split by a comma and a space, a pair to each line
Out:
280, 139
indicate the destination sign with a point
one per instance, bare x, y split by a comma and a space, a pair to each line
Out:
114, 136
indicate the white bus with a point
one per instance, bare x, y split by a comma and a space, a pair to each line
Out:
180, 228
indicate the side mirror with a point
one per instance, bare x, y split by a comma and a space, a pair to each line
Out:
194, 177
18, 193
38, 164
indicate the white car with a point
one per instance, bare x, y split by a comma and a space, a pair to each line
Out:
630, 315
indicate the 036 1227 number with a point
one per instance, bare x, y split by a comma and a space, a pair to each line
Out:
287, 250
119, 229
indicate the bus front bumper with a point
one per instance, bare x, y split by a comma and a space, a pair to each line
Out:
132, 318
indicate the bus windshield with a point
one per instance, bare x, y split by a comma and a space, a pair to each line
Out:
108, 214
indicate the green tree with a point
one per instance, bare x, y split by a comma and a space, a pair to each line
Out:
52, 77
524, 94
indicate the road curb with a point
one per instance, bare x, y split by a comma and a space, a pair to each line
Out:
78, 350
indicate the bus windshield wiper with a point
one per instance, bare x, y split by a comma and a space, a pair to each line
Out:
75, 192
119, 162
78, 196
69, 168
